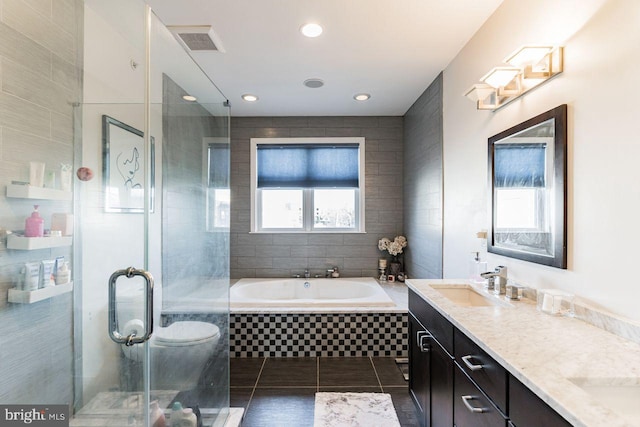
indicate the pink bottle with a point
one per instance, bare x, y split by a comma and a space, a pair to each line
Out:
34, 225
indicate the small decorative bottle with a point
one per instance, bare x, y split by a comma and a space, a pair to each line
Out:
34, 225
157, 415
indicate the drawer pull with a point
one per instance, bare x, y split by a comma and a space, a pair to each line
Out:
466, 399
421, 336
471, 366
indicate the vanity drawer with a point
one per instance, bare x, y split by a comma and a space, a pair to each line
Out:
483, 369
440, 328
471, 408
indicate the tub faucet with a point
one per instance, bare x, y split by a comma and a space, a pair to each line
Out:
306, 273
496, 280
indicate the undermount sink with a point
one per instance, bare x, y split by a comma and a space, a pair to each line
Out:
620, 395
467, 296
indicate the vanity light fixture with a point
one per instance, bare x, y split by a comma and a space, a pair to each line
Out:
249, 97
500, 76
361, 96
529, 66
311, 30
189, 98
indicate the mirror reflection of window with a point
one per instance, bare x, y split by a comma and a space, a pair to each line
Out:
522, 214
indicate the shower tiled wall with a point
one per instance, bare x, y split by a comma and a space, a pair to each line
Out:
423, 183
281, 255
40, 63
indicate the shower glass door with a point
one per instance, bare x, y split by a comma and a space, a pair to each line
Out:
155, 198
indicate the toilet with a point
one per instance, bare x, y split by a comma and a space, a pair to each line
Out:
179, 352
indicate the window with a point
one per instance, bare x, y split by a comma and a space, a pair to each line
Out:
217, 177
307, 184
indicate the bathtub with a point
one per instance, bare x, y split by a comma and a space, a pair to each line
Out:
307, 293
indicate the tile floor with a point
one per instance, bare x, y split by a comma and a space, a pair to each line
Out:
278, 392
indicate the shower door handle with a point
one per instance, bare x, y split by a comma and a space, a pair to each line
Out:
114, 332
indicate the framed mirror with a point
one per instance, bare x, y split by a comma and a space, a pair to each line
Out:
528, 183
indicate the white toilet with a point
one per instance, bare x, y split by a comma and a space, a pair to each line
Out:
179, 352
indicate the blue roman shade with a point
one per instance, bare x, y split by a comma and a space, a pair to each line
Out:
519, 165
308, 166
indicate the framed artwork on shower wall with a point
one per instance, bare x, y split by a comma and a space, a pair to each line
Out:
123, 167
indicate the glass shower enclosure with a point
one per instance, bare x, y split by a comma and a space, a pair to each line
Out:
142, 330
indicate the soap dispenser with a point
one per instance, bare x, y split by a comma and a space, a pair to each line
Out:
477, 267
34, 225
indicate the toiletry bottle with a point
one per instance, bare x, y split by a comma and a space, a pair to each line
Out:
477, 267
156, 415
189, 419
34, 225
176, 415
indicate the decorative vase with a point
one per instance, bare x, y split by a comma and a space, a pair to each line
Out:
395, 267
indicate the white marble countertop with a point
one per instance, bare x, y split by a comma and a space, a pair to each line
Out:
547, 352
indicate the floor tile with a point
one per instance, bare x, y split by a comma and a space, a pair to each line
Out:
404, 406
351, 389
388, 371
239, 397
281, 407
244, 371
347, 371
289, 372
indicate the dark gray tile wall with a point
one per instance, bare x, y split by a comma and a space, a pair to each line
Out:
41, 70
423, 183
281, 255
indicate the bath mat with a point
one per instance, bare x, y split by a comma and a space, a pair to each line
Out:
354, 410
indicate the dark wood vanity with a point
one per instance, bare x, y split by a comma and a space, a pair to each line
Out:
454, 382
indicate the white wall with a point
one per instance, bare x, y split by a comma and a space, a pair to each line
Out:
599, 84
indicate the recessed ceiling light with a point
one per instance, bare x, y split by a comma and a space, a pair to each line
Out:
361, 96
313, 83
311, 30
249, 98
189, 98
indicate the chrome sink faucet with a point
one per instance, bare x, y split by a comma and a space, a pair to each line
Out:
496, 280
306, 273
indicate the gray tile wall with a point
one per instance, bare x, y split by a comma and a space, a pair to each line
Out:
281, 255
40, 72
423, 183
188, 249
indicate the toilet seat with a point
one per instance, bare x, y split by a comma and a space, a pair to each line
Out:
187, 333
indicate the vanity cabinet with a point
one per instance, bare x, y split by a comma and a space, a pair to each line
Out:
430, 363
419, 368
454, 382
523, 403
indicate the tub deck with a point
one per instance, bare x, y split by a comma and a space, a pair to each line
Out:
396, 291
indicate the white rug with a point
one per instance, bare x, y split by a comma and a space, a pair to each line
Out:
354, 410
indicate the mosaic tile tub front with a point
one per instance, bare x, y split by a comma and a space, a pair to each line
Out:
318, 334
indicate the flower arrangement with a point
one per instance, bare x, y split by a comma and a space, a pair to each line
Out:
394, 247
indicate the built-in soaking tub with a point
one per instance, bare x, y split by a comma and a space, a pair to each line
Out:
292, 293
327, 317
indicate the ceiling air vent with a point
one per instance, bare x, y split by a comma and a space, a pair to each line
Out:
197, 38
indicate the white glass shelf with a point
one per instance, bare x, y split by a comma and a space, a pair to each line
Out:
33, 243
37, 193
18, 296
